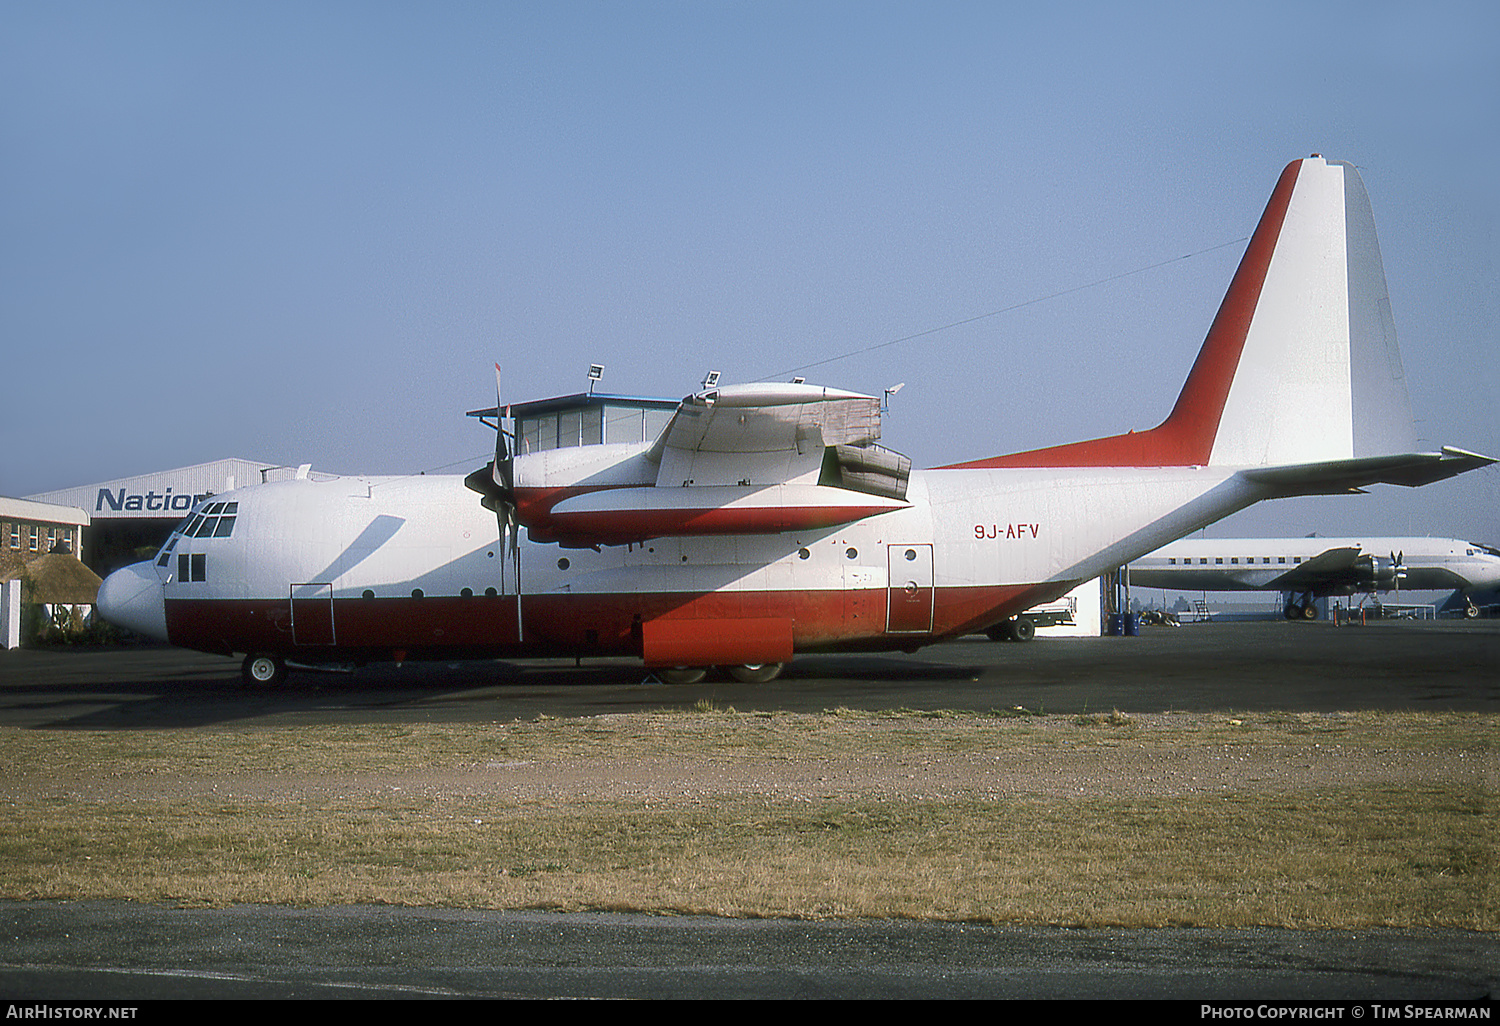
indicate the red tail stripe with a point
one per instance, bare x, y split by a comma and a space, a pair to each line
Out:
1186, 437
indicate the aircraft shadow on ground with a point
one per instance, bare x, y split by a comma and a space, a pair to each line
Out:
1241, 667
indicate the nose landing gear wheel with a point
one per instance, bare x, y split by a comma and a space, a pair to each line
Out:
263, 670
684, 674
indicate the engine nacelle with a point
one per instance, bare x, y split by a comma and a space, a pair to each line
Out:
1379, 573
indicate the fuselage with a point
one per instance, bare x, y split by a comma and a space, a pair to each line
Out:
368, 568
1250, 564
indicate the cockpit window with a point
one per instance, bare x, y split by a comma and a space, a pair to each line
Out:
212, 520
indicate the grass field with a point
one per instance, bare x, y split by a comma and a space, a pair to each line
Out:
783, 815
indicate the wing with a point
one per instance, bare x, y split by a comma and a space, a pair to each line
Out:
1328, 567
742, 459
761, 434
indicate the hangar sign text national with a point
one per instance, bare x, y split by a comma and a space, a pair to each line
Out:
154, 502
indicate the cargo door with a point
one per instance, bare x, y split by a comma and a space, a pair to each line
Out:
909, 594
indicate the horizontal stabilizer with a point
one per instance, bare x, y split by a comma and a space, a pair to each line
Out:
1334, 476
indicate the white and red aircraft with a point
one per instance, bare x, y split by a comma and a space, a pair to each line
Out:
750, 522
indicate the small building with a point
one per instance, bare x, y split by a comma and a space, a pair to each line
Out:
39, 545
30, 529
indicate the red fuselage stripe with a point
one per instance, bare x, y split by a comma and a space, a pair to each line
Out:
580, 623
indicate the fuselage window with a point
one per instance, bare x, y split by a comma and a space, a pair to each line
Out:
192, 567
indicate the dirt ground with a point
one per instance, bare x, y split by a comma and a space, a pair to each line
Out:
1141, 763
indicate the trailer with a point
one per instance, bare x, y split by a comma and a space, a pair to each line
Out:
1023, 626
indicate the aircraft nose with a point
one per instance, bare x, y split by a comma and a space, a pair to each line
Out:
132, 598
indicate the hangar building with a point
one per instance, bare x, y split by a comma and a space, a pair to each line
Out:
129, 518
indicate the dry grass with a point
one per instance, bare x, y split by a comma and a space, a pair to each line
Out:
79, 821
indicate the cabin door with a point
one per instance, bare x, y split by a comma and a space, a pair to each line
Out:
312, 614
909, 594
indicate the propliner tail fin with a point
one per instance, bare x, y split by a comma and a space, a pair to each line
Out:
1300, 365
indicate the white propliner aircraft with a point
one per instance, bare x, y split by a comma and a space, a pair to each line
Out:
764, 521
1311, 568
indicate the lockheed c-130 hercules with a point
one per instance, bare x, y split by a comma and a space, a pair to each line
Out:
750, 522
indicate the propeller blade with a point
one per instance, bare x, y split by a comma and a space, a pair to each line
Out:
502, 451
503, 470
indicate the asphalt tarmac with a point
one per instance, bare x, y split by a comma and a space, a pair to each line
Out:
92, 952
115, 952
1443, 665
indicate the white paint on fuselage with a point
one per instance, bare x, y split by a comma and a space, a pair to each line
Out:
392, 536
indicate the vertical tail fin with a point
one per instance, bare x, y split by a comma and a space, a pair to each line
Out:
1300, 364
1319, 376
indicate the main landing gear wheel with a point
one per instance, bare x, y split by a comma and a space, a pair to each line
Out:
755, 673
263, 670
684, 674
1017, 628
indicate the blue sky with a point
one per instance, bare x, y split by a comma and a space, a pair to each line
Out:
303, 232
